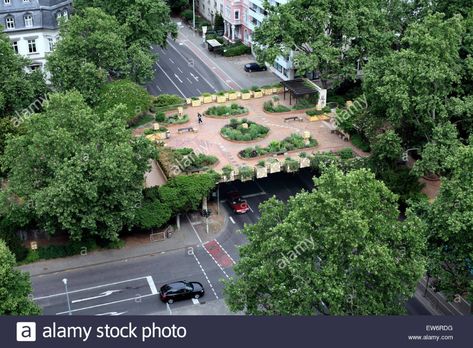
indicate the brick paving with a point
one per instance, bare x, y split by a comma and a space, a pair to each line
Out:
208, 140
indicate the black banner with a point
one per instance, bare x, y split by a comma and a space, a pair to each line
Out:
237, 331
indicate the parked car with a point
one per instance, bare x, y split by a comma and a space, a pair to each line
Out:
238, 205
250, 67
181, 290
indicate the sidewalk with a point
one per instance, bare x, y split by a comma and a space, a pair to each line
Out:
189, 235
229, 69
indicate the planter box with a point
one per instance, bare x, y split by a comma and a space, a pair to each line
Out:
207, 99
197, 102
275, 90
162, 135
214, 97
288, 169
221, 99
274, 167
261, 172
268, 91
304, 162
258, 94
245, 96
188, 101
232, 96
228, 178
238, 94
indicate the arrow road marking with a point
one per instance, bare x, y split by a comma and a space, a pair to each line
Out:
112, 313
195, 77
103, 294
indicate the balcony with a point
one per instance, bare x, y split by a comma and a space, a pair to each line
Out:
256, 14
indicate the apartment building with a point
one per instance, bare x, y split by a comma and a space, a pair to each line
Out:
33, 26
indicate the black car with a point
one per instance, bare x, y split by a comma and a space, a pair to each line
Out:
250, 67
181, 291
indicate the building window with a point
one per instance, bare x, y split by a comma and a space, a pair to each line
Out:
15, 46
35, 67
32, 46
51, 44
65, 14
237, 15
7, 2
28, 20
10, 22
26, 1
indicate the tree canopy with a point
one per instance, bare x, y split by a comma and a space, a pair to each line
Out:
339, 249
18, 88
15, 287
76, 170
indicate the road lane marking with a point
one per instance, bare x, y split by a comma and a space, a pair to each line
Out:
171, 61
103, 294
195, 301
254, 195
195, 231
189, 80
151, 284
213, 258
205, 274
231, 258
158, 88
182, 72
165, 73
192, 65
169, 308
177, 77
233, 221
198, 90
112, 313
106, 304
90, 288
249, 206
195, 77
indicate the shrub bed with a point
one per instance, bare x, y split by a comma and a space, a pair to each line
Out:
237, 131
237, 49
172, 119
293, 142
166, 102
176, 161
226, 110
268, 106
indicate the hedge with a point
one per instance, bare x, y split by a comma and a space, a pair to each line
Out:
236, 50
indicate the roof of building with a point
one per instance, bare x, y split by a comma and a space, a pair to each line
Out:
301, 86
44, 13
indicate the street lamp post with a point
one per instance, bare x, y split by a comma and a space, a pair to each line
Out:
67, 296
193, 14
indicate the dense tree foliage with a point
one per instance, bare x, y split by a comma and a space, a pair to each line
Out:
18, 88
76, 170
340, 249
15, 287
147, 22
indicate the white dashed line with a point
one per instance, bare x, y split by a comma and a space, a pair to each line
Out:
205, 274
180, 70
233, 221
231, 258
213, 258
165, 73
190, 222
171, 61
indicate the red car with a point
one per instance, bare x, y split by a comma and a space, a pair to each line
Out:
238, 205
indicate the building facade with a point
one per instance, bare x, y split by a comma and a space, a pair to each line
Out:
33, 26
209, 8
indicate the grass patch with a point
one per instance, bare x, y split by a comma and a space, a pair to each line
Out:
146, 118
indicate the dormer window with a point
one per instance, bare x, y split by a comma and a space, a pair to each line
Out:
7, 2
28, 20
10, 22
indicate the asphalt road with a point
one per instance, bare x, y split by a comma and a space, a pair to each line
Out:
180, 72
130, 287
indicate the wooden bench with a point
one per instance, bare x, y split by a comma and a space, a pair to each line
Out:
293, 118
186, 129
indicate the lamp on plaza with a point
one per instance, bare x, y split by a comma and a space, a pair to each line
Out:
67, 296
193, 14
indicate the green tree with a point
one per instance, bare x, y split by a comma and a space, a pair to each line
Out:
409, 89
15, 287
435, 154
332, 37
148, 22
185, 192
18, 88
450, 225
177, 6
92, 47
339, 249
77, 170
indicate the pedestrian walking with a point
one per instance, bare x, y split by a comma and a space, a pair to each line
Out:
199, 117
